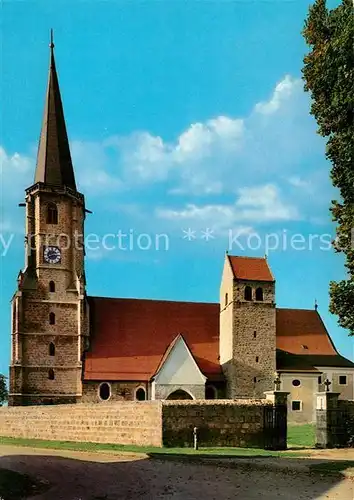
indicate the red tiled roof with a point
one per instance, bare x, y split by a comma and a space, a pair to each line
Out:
301, 331
250, 268
130, 336
287, 362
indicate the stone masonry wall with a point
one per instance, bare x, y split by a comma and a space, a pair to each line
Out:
347, 405
32, 328
129, 423
145, 423
251, 371
120, 391
219, 423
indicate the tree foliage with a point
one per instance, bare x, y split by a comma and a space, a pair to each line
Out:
3, 389
329, 76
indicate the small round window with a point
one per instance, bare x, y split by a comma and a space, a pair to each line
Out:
105, 391
296, 383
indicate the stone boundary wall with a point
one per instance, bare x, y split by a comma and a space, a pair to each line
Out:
143, 423
128, 422
347, 405
346, 417
335, 425
224, 423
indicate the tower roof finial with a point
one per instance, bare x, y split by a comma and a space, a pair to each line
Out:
316, 305
51, 45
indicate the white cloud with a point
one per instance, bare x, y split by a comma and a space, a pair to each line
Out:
90, 162
216, 217
299, 182
198, 140
5, 226
193, 212
16, 173
147, 158
255, 205
263, 203
223, 153
98, 254
284, 90
12, 225
217, 156
223, 171
14, 164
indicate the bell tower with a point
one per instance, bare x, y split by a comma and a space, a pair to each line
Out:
247, 326
50, 324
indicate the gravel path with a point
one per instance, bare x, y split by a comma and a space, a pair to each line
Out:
98, 476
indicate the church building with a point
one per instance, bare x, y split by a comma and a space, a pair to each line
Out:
68, 347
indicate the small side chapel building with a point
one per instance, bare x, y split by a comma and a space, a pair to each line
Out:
67, 347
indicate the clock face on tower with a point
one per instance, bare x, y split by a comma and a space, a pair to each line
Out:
52, 255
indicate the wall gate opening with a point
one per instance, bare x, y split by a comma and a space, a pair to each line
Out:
275, 427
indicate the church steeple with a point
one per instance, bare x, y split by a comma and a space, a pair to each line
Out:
54, 165
50, 314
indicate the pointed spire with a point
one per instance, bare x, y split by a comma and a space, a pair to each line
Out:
54, 165
51, 45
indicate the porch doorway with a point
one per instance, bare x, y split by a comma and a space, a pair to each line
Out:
179, 394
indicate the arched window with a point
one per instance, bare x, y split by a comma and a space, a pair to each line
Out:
254, 334
51, 286
257, 359
226, 299
248, 293
259, 293
51, 349
52, 214
51, 318
140, 394
210, 392
105, 391
51, 374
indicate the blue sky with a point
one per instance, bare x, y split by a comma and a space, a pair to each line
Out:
181, 115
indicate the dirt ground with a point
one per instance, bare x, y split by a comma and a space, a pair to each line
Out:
98, 476
330, 454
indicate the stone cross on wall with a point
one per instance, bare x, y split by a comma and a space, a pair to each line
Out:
327, 384
277, 382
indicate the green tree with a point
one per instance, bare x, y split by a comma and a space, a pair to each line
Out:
3, 389
328, 73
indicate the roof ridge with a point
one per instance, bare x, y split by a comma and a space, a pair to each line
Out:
246, 257
154, 300
326, 330
296, 309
